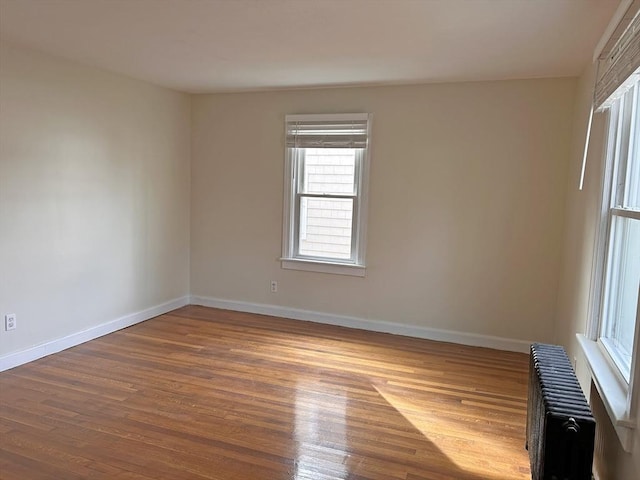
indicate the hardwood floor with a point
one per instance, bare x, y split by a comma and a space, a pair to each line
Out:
202, 393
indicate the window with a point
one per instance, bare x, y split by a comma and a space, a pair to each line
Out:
611, 344
612, 349
621, 201
325, 205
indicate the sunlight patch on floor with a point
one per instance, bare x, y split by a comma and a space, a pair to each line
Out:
498, 451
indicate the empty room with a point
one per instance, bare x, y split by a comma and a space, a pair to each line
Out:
320, 239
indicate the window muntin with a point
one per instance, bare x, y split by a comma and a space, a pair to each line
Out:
619, 305
325, 190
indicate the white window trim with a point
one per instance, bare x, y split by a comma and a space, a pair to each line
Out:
323, 267
618, 396
355, 268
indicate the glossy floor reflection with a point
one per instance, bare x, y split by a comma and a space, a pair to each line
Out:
320, 426
336, 439
210, 394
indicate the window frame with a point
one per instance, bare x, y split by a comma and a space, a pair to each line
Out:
624, 120
291, 258
619, 394
299, 193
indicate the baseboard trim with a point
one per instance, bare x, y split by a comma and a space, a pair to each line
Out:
15, 359
476, 340
24, 356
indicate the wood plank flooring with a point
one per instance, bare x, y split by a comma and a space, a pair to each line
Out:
201, 393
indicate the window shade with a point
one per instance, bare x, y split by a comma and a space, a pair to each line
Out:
343, 131
619, 60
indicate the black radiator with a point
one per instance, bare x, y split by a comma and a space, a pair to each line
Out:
560, 427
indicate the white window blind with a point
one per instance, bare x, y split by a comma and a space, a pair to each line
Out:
348, 131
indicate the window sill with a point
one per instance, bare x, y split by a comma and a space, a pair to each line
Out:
613, 391
323, 267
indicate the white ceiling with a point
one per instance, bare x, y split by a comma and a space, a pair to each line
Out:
233, 45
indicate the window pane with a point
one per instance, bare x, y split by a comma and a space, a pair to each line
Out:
329, 171
325, 227
621, 293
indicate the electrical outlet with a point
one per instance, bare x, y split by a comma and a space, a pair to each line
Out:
274, 286
10, 321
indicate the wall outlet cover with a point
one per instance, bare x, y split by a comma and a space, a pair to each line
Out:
10, 321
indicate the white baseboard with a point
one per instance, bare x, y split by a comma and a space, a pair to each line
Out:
473, 339
24, 356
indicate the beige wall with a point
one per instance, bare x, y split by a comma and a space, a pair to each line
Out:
94, 196
611, 462
466, 204
581, 222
